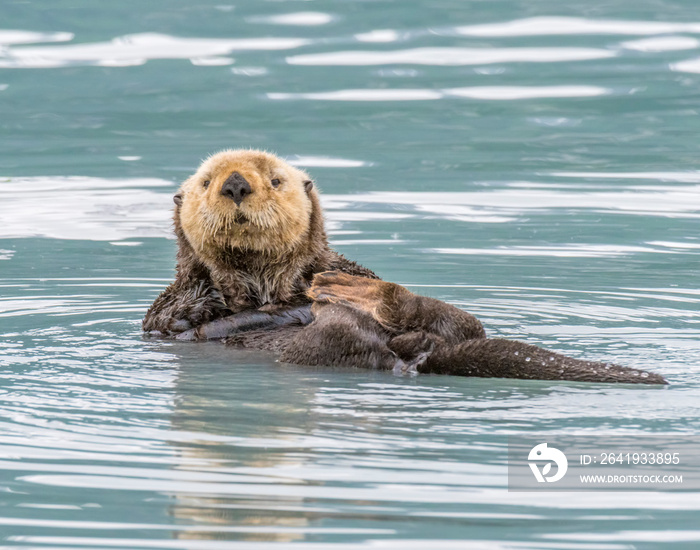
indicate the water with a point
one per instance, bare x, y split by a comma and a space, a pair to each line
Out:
541, 173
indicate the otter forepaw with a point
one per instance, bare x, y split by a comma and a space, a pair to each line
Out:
361, 293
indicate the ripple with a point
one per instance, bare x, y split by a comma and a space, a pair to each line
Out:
676, 245
555, 251
394, 543
688, 66
79, 304
84, 208
362, 95
250, 71
451, 56
118, 209
672, 202
9, 37
211, 61
686, 177
543, 26
302, 18
379, 35
495, 93
527, 92
667, 536
136, 49
663, 44
109, 525
382, 493
325, 162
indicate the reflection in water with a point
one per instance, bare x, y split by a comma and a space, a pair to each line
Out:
265, 415
302, 458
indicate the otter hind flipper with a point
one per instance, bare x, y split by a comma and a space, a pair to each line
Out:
499, 358
440, 338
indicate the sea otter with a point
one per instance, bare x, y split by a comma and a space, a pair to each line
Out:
254, 268
250, 236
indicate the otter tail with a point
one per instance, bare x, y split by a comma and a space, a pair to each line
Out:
499, 358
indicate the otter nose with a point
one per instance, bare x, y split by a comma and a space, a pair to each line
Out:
236, 188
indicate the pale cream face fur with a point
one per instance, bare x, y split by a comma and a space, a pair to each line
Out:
272, 219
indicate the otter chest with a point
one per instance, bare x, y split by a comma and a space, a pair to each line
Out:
256, 281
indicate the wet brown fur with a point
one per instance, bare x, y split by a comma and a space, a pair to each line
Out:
359, 322
249, 273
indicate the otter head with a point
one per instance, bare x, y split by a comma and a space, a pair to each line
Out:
244, 199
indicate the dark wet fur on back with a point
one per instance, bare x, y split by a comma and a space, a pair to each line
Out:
373, 324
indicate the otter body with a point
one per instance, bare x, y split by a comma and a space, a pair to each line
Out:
254, 268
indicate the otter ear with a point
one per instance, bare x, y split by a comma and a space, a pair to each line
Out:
308, 185
177, 199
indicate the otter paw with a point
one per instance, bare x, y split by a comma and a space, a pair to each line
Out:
340, 288
411, 367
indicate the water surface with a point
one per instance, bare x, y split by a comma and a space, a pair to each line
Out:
532, 162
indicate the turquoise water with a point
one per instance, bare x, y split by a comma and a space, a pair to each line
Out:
541, 173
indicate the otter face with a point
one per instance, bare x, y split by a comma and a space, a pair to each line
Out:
245, 199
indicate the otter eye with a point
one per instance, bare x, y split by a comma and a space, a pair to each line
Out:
276, 182
206, 183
